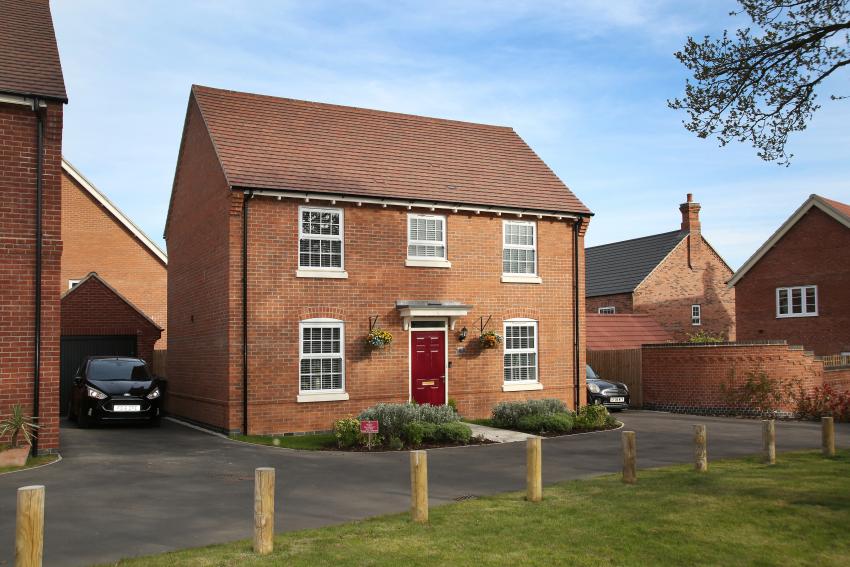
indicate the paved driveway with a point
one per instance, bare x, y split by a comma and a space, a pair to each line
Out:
124, 492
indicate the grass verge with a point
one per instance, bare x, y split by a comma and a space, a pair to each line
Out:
316, 442
739, 513
31, 462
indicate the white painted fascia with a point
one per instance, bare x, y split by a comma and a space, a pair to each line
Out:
812, 201
114, 210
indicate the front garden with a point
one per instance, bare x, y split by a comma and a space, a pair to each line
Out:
415, 426
740, 513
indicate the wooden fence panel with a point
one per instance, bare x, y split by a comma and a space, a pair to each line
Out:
160, 358
620, 366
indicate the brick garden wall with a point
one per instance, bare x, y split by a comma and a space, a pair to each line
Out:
111, 316
816, 251
17, 264
688, 378
94, 241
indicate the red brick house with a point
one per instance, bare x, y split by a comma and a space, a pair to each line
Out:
32, 95
98, 237
98, 319
797, 285
294, 227
675, 277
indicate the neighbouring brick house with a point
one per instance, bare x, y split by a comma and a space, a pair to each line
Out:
32, 95
437, 228
796, 287
98, 237
97, 319
675, 277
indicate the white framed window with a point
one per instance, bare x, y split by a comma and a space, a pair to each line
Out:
519, 251
520, 363
73, 283
426, 240
797, 301
320, 240
610, 310
696, 315
321, 357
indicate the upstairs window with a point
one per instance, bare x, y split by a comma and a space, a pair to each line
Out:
320, 233
798, 301
696, 315
519, 252
607, 310
322, 356
426, 237
520, 351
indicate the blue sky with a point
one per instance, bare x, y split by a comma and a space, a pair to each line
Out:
584, 82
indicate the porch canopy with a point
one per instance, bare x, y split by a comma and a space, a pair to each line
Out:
408, 309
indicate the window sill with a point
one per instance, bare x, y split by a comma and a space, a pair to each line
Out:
521, 387
518, 278
328, 397
796, 315
332, 274
424, 263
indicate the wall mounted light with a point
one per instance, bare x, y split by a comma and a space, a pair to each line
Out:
462, 336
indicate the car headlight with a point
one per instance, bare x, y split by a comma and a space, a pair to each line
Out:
96, 394
594, 389
153, 394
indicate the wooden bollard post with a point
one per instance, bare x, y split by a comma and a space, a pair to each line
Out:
828, 436
419, 486
768, 436
700, 448
29, 527
629, 457
264, 510
534, 469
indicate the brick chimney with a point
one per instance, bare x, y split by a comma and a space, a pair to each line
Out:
691, 225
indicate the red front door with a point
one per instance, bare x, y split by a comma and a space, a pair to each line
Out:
428, 367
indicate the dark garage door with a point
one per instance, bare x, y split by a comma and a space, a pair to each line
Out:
74, 349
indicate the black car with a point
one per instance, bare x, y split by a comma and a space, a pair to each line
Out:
613, 395
115, 389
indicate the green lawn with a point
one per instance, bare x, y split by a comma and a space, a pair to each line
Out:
31, 462
309, 442
740, 513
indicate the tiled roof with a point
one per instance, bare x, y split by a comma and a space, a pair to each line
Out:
620, 267
266, 142
838, 206
29, 58
614, 332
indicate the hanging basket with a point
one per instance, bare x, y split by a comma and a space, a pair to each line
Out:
379, 338
489, 339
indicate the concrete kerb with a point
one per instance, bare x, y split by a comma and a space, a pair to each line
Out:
27, 469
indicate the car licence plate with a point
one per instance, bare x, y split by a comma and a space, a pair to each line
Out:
126, 408
618, 400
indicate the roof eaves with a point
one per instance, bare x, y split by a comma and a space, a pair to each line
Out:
114, 210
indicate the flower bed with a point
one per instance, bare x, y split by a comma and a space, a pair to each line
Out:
549, 417
405, 426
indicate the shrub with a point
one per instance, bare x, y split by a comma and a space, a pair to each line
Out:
703, 337
560, 422
417, 432
453, 432
591, 417
758, 393
507, 414
823, 401
393, 418
395, 444
347, 432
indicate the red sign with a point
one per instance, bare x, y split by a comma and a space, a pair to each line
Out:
368, 427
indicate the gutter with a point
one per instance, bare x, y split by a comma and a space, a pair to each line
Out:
247, 196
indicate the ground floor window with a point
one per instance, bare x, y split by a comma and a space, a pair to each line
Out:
798, 301
322, 356
520, 350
